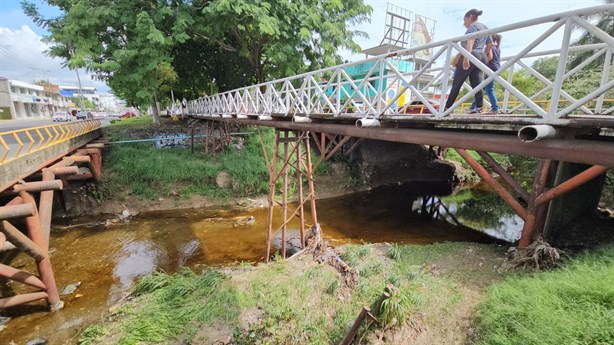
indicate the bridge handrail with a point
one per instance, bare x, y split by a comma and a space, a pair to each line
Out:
286, 97
39, 138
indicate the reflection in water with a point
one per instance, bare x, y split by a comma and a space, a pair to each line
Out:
108, 260
487, 212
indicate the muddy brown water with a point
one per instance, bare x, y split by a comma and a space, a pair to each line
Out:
107, 260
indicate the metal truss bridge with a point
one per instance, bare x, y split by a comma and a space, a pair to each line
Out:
381, 98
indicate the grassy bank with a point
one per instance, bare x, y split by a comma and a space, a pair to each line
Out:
142, 170
302, 302
572, 305
440, 287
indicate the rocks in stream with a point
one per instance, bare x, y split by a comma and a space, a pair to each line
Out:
69, 289
3, 322
37, 341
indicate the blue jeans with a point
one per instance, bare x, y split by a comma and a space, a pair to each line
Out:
489, 89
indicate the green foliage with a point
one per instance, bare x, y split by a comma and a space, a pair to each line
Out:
354, 253
83, 103
280, 38
91, 335
182, 299
125, 43
572, 305
148, 172
395, 252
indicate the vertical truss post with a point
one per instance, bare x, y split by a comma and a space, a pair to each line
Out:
535, 212
290, 150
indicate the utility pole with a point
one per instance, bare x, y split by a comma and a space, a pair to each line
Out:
80, 89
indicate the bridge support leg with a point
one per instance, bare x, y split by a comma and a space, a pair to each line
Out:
544, 190
291, 150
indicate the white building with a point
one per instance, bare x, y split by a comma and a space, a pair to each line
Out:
88, 92
20, 100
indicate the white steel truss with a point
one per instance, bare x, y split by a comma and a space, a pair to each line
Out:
333, 93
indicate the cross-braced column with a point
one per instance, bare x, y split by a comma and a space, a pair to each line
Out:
291, 156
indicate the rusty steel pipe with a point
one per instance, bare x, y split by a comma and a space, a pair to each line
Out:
60, 171
17, 211
21, 241
80, 159
530, 224
96, 165
21, 276
505, 175
44, 266
39, 186
80, 177
45, 206
571, 150
485, 175
571, 184
21, 299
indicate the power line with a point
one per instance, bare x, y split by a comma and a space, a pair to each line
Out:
15, 56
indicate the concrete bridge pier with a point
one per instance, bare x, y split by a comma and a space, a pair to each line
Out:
573, 204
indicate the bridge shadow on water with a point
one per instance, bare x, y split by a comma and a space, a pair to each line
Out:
108, 259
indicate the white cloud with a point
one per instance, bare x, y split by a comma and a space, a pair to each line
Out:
22, 57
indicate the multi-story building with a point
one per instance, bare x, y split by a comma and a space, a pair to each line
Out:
20, 100
88, 92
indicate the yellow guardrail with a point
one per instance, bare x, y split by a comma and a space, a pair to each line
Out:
20, 142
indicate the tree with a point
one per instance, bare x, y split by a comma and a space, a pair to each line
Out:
605, 22
126, 43
281, 37
202, 66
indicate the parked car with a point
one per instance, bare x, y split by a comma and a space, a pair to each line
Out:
61, 116
417, 107
85, 115
127, 115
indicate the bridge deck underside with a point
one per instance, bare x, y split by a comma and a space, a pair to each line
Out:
577, 146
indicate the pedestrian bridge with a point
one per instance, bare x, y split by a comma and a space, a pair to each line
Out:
553, 120
385, 100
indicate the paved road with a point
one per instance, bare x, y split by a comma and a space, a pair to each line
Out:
11, 125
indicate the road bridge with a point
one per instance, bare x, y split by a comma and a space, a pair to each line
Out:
557, 125
40, 160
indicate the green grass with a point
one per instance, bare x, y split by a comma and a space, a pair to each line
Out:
308, 305
142, 170
148, 172
571, 305
169, 305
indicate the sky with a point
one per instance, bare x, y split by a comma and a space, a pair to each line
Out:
22, 53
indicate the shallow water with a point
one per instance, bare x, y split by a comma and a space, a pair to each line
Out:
108, 260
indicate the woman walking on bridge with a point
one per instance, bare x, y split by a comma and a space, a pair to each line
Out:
478, 47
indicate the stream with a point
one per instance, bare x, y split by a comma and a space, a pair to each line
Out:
107, 260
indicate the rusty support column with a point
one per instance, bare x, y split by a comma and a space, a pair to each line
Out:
485, 175
533, 209
310, 181
505, 175
271, 200
284, 210
299, 181
45, 208
96, 165
44, 266
571, 184
21, 241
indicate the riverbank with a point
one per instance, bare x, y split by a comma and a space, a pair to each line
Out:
447, 293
